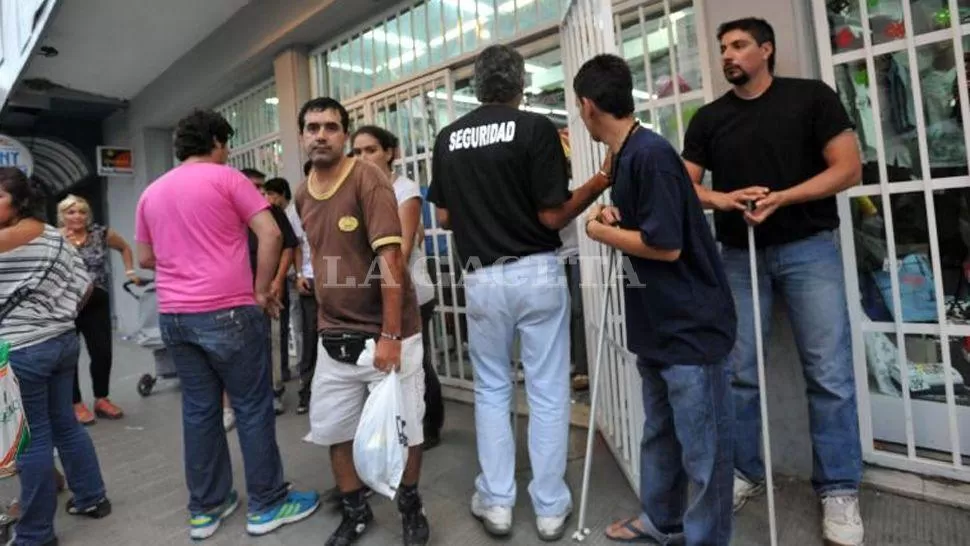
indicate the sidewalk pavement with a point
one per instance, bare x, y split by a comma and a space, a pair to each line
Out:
142, 464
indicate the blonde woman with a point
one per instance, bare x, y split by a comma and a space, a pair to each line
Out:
92, 242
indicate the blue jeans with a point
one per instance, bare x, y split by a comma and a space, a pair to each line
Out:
529, 298
46, 375
686, 470
227, 351
808, 275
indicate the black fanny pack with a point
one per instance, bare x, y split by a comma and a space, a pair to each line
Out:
345, 346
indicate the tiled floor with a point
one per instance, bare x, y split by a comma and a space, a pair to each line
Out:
142, 464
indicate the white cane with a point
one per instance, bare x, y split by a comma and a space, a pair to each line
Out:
582, 531
759, 344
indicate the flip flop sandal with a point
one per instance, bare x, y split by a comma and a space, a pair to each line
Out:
639, 536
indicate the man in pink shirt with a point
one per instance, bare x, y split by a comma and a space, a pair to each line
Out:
191, 228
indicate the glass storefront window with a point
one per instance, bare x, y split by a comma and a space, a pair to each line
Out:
845, 24
420, 20
664, 56
909, 224
255, 117
426, 35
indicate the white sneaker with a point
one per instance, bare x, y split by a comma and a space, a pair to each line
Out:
745, 491
228, 419
496, 519
842, 520
552, 529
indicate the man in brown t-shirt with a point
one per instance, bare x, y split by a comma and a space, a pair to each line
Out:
364, 293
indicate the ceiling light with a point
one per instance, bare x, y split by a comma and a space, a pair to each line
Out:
273, 101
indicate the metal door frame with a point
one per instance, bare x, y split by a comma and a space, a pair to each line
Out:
911, 461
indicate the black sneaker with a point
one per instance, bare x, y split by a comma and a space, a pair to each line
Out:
98, 511
413, 520
303, 407
357, 516
334, 498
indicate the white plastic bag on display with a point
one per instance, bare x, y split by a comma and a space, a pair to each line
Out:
380, 444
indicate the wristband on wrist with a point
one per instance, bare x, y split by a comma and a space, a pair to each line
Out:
391, 337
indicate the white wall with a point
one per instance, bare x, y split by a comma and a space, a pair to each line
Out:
20, 31
152, 149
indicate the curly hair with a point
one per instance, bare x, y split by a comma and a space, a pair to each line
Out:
499, 75
71, 201
197, 133
25, 197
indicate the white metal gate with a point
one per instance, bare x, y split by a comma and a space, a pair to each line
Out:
587, 30
905, 425
666, 95
415, 111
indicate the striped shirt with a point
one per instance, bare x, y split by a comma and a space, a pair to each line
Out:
56, 278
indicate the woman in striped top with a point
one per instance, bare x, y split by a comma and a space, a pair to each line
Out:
43, 283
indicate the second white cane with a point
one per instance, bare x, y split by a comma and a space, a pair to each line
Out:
759, 350
582, 532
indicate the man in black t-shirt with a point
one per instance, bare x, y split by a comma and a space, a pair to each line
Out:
279, 352
788, 146
499, 181
680, 319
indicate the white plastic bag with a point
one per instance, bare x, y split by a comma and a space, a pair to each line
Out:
14, 432
380, 444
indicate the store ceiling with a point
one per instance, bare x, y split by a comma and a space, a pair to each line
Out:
115, 48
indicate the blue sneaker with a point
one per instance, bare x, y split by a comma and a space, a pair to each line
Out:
203, 526
296, 507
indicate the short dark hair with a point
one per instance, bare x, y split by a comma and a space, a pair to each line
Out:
249, 172
385, 138
280, 186
25, 196
499, 74
322, 104
197, 133
607, 81
759, 29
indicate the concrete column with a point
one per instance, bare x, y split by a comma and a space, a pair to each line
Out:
153, 157
795, 53
292, 72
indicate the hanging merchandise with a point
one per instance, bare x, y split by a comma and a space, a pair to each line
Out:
895, 30
917, 293
924, 378
942, 18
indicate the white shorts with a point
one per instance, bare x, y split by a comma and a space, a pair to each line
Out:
339, 390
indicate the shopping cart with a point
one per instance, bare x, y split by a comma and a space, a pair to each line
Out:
149, 335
